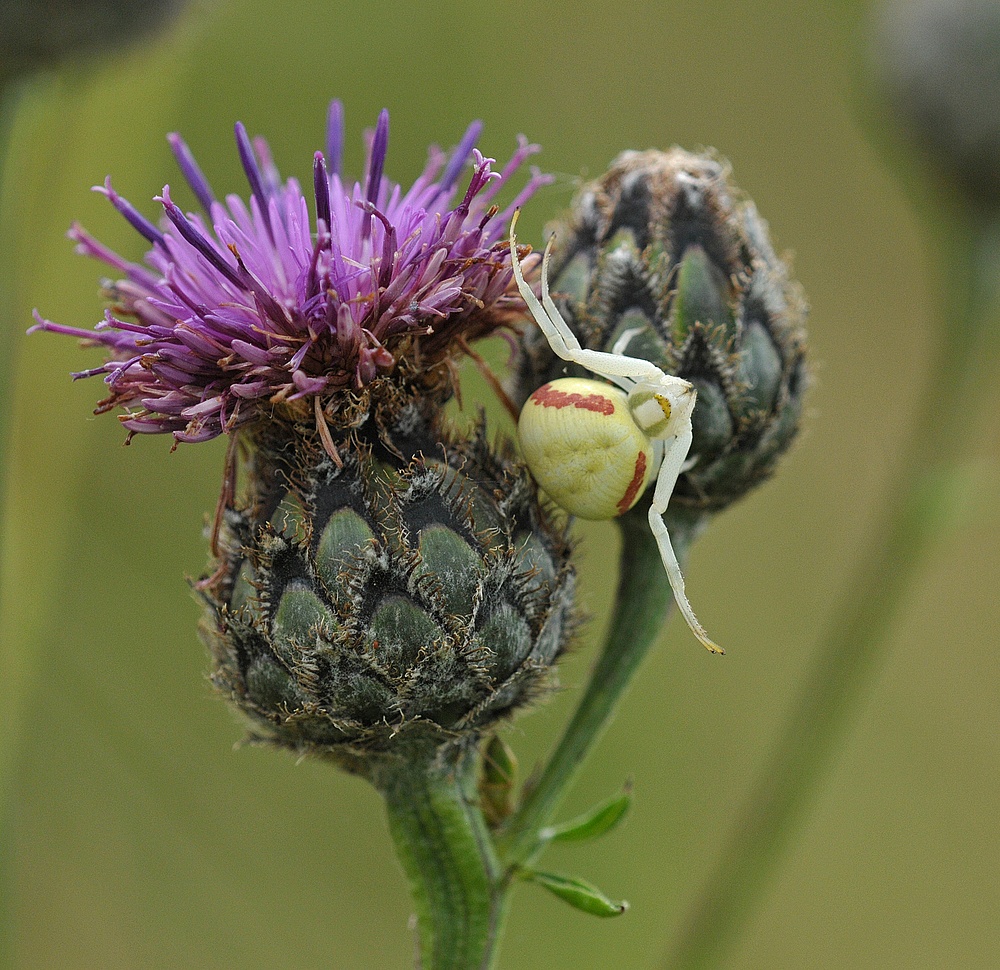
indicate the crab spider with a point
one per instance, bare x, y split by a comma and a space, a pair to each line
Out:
592, 447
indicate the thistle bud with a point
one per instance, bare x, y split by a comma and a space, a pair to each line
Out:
662, 259
35, 35
938, 63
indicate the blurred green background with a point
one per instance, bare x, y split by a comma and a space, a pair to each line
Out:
141, 839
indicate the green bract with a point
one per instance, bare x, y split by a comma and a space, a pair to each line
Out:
662, 259
417, 590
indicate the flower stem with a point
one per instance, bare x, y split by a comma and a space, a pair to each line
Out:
447, 854
459, 885
644, 597
917, 508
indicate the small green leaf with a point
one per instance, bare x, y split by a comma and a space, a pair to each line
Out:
496, 781
579, 894
592, 824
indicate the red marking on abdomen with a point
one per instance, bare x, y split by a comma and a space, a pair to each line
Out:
626, 501
549, 397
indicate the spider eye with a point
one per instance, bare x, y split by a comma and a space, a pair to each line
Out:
584, 448
651, 411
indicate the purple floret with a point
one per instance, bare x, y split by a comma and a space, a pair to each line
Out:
251, 307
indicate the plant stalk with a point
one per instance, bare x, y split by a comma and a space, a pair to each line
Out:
447, 853
644, 598
925, 484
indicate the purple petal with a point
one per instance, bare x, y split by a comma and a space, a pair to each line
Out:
321, 186
460, 155
335, 136
196, 239
138, 222
380, 147
252, 170
193, 175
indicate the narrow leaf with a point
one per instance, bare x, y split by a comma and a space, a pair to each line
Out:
592, 824
496, 781
579, 894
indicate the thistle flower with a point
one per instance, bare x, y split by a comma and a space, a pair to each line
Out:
379, 578
248, 312
662, 259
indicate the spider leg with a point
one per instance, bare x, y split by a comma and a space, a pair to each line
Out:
551, 310
613, 366
674, 454
623, 371
561, 339
624, 340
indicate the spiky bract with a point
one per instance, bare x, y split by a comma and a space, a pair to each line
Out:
418, 590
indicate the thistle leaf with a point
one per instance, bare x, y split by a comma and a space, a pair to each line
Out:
579, 894
496, 782
592, 824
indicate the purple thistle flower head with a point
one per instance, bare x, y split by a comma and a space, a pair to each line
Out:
260, 308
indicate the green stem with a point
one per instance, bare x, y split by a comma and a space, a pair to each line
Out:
850, 652
644, 597
447, 854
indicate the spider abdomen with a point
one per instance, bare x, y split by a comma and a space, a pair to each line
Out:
584, 448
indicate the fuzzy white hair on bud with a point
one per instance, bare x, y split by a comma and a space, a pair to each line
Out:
583, 440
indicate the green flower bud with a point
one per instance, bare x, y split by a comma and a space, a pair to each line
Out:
417, 587
938, 63
662, 259
34, 35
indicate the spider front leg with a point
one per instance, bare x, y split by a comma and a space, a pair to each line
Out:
561, 339
675, 450
621, 370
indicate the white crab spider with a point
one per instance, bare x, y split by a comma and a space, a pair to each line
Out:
592, 447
